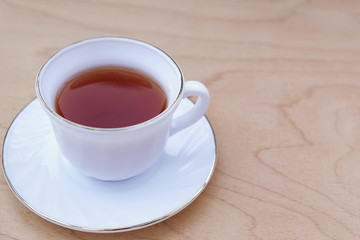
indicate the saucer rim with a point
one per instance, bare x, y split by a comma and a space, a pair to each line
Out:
106, 230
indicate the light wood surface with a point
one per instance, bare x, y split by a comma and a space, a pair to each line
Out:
284, 78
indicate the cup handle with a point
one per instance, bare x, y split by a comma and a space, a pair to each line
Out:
192, 88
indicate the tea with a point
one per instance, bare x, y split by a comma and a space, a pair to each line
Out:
110, 97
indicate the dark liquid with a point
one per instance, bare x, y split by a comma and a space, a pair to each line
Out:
110, 97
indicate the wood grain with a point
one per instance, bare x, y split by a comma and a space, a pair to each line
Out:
284, 78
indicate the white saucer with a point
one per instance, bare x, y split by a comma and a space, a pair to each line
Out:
48, 185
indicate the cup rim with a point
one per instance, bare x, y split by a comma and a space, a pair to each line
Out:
68, 122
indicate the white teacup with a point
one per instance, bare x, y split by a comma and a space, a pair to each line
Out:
117, 153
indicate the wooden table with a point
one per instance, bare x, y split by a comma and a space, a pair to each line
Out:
284, 78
